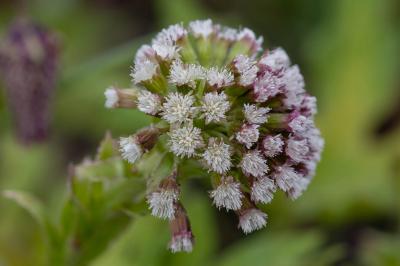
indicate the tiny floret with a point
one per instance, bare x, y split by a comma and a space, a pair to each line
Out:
182, 74
246, 68
111, 97
130, 149
272, 145
214, 106
185, 140
144, 71
148, 102
252, 219
227, 195
275, 59
297, 149
255, 115
267, 86
162, 203
217, 156
254, 164
300, 125
248, 135
262, 190
219, 78
178, 108
285, 177
201, 28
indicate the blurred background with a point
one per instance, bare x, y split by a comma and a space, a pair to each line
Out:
348, 51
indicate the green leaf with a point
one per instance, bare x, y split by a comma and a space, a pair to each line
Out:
28, 202
107, 148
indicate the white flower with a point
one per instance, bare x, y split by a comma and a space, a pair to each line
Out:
201, 28
164, 44
276, 59
178, 108
173, 33
148, 102
227, 34
294, 81
130, 149
144, 71
309, 105
285, 177
300, 125
227, 195
254, 164
248, 36
272, 145
248, 135
267, 86
145, 52
252, 219
217, 156
255, 115
219, 78
246, 68
214, 106
297, 149
184, 141
316, 142
294, 87
263, 190
166, 51
162, 203
298, 187
111, 97
181, 74
181, 242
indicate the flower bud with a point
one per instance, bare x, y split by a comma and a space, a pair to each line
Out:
133, 147
251, 218
29, 58
227, 194
182, 236
162, 202
120, 98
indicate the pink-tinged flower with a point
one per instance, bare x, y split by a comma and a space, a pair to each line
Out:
267, 86
273, 145
253, 164
246, 68
255, 115
214, 107
219, 78
285, 177
162, 201
275, 60
297, 149
252, 219
262, 190
182, 236
227, 194
248, 135
248, 37
217, 156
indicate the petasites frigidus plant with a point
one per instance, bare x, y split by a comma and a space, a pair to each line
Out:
28, 65
220, 102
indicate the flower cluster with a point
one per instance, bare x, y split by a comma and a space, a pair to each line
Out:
242, 114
